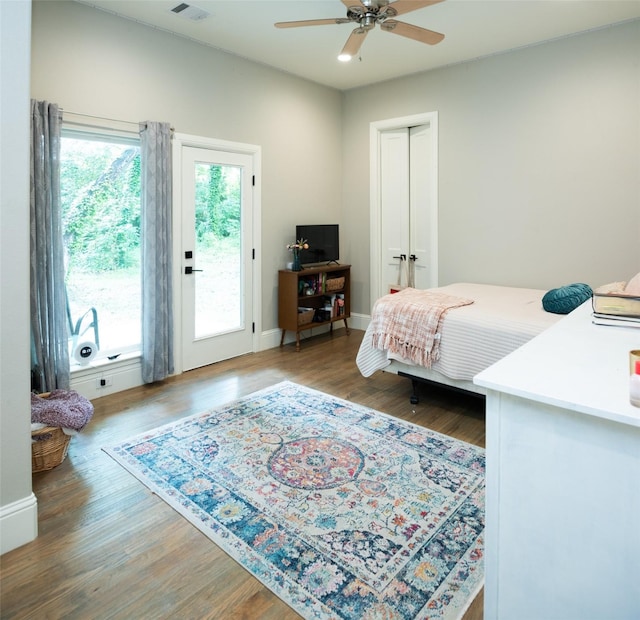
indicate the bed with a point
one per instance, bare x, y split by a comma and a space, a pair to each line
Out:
471, 337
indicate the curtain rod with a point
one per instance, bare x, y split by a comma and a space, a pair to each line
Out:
99, 118
103, 118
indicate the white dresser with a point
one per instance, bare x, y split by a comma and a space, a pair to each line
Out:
563, 477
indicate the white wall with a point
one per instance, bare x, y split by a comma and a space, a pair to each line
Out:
18, 510
539, 162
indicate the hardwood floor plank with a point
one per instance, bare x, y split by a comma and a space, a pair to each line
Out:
109, 548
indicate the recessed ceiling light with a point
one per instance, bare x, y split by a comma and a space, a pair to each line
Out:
345, 57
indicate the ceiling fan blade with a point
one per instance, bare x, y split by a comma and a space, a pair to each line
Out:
355, 40
313, 22
405, 6
354, 3
412, 32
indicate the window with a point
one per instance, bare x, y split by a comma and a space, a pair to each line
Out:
100, 196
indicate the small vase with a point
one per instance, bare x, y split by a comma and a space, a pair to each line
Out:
296, 262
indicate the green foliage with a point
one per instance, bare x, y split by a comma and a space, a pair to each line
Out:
217, 205
100, 191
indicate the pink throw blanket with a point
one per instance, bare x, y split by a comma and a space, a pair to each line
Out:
407, 323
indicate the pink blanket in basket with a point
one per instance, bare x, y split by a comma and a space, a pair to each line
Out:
407, 323
63, 408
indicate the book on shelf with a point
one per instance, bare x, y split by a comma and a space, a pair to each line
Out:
599, 318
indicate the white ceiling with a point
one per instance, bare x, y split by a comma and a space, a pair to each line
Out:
472, 28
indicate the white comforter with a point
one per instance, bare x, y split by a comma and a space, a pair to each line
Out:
474, 337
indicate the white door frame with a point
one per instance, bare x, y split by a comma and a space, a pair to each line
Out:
179, 141
375, 210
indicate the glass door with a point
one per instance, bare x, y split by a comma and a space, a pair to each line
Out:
216, 257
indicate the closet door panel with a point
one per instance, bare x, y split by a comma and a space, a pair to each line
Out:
394, 193
420, 207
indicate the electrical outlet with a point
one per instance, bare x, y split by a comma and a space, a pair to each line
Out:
103, 382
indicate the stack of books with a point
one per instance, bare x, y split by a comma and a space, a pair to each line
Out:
616, 310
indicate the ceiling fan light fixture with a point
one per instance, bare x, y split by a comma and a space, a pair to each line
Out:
366, 14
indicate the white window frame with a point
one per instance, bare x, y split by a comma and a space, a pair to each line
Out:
103, 133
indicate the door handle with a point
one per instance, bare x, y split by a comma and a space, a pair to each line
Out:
190, 270
413, 257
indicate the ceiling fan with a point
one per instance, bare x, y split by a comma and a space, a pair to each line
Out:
368, 13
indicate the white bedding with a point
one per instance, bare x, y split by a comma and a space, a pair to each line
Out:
474, 337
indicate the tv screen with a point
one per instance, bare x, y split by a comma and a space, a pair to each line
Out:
323, 243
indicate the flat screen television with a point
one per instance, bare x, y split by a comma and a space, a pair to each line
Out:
323, 239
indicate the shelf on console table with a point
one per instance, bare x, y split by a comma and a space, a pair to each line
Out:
291, 297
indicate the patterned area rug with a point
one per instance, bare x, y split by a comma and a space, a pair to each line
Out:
342, 511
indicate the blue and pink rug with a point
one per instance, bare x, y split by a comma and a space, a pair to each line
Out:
342, 511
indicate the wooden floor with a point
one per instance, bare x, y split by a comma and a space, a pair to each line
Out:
109, 548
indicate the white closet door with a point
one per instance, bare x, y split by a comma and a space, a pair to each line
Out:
394, 199
404, 201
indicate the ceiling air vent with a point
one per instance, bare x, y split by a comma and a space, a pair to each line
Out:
190, 12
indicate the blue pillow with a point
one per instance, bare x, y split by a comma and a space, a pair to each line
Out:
566, 298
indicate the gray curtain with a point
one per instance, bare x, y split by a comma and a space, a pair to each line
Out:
157, 295
49, 334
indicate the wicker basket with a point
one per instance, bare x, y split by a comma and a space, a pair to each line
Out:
334, 284
49, 446
305, 315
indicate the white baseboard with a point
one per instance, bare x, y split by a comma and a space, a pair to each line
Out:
18, 523
120, 375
